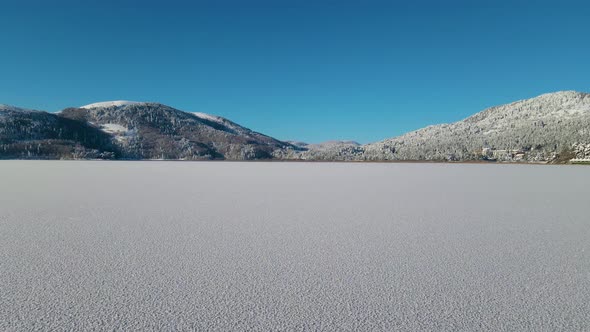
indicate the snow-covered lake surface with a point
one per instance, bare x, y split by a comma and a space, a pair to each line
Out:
235, 246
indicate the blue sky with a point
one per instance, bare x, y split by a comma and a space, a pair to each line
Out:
299, 70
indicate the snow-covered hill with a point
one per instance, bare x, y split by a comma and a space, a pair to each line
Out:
28, 134
145, 130
550, 127
115, 103
537, 129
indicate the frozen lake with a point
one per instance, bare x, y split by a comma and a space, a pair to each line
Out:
293, 246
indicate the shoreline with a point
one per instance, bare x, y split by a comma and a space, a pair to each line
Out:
477, 162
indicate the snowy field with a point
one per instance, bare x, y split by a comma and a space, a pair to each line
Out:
234, 246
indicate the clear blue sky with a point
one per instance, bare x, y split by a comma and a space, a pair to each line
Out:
310, 70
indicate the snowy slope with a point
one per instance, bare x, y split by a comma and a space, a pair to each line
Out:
536, 129
145, 130
115, 103
209, 117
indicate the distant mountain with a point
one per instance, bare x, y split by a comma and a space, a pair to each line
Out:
552, 127
545, 128
129, 130
324, 145
156, 131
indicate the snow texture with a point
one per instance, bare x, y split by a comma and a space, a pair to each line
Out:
115, 103
208, 117
121, 133
114, 128
232, 246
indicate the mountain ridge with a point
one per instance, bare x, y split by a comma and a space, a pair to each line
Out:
540, 129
